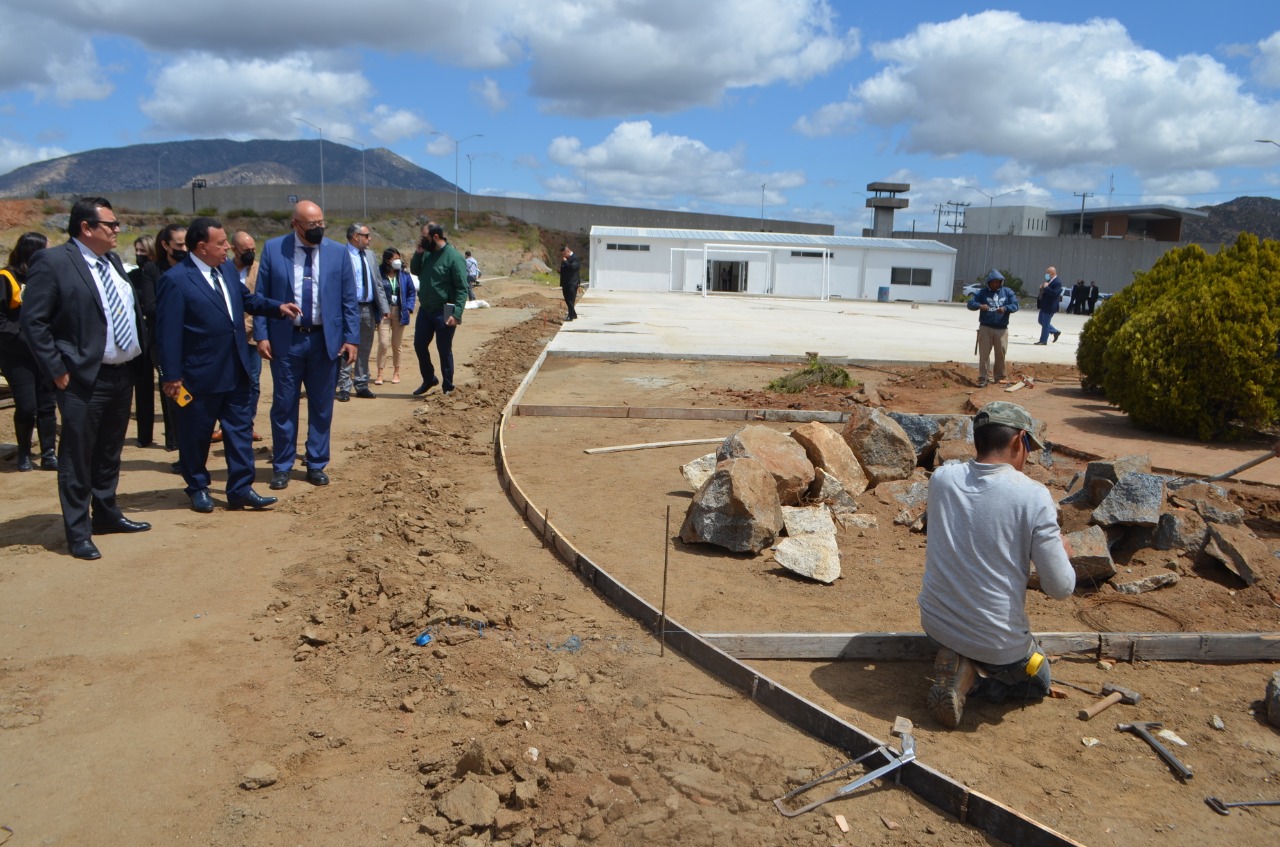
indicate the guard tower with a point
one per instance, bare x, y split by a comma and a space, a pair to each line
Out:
884, 199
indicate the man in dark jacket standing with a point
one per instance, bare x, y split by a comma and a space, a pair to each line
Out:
994, 306
569, 279
1050, 299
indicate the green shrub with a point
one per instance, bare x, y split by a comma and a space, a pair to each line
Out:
242, 213
280, 216
1190, 348
813, 373
170, 212
207, 212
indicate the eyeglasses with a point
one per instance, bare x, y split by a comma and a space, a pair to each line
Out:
114, 225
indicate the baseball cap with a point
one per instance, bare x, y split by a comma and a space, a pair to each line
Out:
1010, 415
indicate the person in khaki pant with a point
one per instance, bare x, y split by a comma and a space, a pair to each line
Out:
994, 306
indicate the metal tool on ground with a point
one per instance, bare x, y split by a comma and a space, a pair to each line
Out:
1225, 808
1143, 731
1187, 480
1114, 694
896, 760
1077, 687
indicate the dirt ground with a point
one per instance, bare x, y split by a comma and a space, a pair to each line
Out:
138, 692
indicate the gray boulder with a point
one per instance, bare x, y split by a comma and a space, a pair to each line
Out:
813, 555
697, 472
1135, 500
883, 449
807, 520
1210, 502
827, 489
780, 455
1240, 552
1091, 557
738, 508
1149, 583
923, 430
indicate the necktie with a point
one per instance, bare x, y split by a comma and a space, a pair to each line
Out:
365, 296
308, 279
217, 286
121, 326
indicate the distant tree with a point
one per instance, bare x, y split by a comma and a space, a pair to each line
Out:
1190, 348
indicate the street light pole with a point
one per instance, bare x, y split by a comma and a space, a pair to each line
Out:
457, 142
762, 185
321, 134
159, 198
364, 177
991, 199
470, 183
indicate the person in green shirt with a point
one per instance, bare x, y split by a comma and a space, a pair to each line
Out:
442, 295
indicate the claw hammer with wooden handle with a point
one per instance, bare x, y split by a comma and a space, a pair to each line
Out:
1115, 694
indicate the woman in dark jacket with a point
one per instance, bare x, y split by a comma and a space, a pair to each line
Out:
169, 249
402, 295
34, 401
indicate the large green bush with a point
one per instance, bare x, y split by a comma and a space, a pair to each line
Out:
1190, 348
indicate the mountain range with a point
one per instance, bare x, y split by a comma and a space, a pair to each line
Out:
174, 164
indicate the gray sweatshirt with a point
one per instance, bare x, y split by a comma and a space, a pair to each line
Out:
986, 523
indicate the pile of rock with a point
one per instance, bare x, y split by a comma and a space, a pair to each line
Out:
762, 484
1129, 509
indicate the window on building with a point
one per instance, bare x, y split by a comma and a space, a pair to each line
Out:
911, 276
810, 254
640, 248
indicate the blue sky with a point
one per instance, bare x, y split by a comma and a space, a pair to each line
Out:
689, 105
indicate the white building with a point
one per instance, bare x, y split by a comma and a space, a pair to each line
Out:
770, 263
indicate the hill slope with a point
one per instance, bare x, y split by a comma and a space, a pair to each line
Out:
1259, 215
221, 162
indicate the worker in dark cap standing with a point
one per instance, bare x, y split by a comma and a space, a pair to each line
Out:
994, 306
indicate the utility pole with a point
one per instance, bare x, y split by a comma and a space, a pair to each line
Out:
956, 214
1083, 195
938, 209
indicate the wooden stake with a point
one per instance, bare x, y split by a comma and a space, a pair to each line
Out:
652, 444
546, 525
666, 559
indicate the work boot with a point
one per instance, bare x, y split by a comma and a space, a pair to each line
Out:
982, 382
953, 678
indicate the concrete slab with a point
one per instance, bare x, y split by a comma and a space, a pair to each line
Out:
618, 324
691, 326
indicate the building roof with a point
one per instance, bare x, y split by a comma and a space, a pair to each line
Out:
780, 239
1138, 213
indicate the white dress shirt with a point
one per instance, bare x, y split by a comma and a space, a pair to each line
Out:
299, 262
208, 278
112, 354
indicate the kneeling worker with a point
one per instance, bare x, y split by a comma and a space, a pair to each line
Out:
987, 521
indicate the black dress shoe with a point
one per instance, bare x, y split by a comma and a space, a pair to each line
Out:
145, 442
366, 394
344, 396
176, 467
84, 550
24, 461
253, 500
425, 387
315, 476
201, 501
120, 524
279, 481
1055, 335
48, 461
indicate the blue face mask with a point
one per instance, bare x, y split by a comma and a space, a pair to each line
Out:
1047, 277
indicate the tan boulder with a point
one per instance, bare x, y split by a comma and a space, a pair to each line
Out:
780, 455
828, 451
737, 508
880, 444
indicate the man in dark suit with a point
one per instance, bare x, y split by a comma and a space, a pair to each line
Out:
314, 273
84, 327
569, 279
200, 337
371, 300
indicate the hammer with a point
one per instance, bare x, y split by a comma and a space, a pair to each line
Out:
1115, 694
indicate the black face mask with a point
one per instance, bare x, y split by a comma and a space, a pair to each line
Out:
247, 257
176, 256
314, 235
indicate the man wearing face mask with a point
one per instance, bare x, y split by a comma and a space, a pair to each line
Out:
313, 272
245, 257
170, 250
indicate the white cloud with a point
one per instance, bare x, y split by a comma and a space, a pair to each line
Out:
1266, 65
15, 154
390, 125
255, 97
49, 59
616, 58
1053, 97
490, 94
634, 165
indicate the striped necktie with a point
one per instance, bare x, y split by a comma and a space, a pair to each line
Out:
121, 326
217, 287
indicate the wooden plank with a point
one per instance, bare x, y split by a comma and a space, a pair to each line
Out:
622, 448
689, 414
529, 410
1207, 647
805, 416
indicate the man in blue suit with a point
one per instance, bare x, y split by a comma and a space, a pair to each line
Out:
200, 336
313, 273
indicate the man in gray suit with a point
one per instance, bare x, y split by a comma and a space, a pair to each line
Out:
372, 302
85, 327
